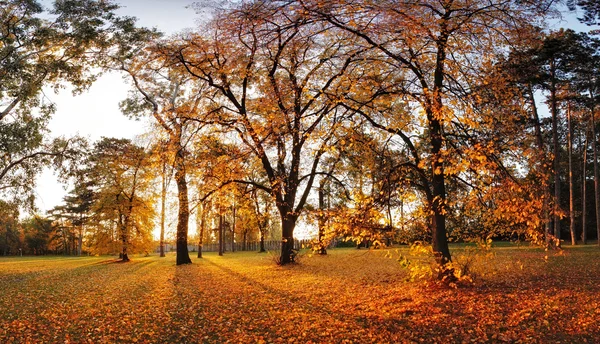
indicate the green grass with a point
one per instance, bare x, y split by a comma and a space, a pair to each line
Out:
521, 294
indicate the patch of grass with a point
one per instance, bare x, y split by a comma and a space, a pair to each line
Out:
523, 294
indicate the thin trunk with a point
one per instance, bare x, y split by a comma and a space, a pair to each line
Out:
183, 256
321, 249
124, 239
584, 191
163, 200
438, 201
202, 212
556, 151
80, 241
220, 234
233, 226
571, 185
596, 186
541, 151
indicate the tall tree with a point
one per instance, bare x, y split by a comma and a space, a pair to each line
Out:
174, 102
426, 49
40, 49
272, 74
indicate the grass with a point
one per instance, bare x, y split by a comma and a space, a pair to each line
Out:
522, 294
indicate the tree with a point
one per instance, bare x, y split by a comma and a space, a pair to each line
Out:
124, 197
9, 228
39, 49
591, 10
174, 102
421, 61
272, 74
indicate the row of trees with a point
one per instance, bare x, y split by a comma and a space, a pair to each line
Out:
371, 119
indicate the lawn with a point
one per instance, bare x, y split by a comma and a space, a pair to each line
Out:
520, 294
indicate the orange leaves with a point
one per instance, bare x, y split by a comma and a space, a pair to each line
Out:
346, 296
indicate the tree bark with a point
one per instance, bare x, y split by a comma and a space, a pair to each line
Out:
202, 212
233, 226
163, 200
571, 186
540, 144
596, 186
438, 201
321, 221
556, 151
288, 223
183, 256
220, 235
262, 241
584, 191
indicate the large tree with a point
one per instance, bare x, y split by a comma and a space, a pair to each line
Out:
273, 75
433, 57
38, 49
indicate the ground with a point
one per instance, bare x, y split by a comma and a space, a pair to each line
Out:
520, 294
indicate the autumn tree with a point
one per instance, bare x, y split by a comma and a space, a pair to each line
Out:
426, 67
174, 102
123, 194
272, 74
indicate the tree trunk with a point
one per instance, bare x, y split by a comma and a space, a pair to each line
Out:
541, 151
183, 256
124, 256
233, 227
288, 223
262, 240
202, 212
556, 151
584, 191
322, 221
596, 186
571, 186
163, 200
80, 241
438, 201
221, 235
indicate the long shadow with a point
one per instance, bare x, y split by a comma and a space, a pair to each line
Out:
306, 304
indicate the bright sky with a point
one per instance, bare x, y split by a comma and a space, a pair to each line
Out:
96, 113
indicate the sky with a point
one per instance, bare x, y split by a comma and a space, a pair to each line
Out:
96, 113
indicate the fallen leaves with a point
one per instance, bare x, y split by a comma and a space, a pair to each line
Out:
348, 296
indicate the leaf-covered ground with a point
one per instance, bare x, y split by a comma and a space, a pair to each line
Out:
350, 296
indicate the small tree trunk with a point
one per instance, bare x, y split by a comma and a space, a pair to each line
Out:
233, 228
322, 221
220, 235
596, 186
202, 212
163, 200
571, 185
556, 151
123, 254
584, 191
262, 241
